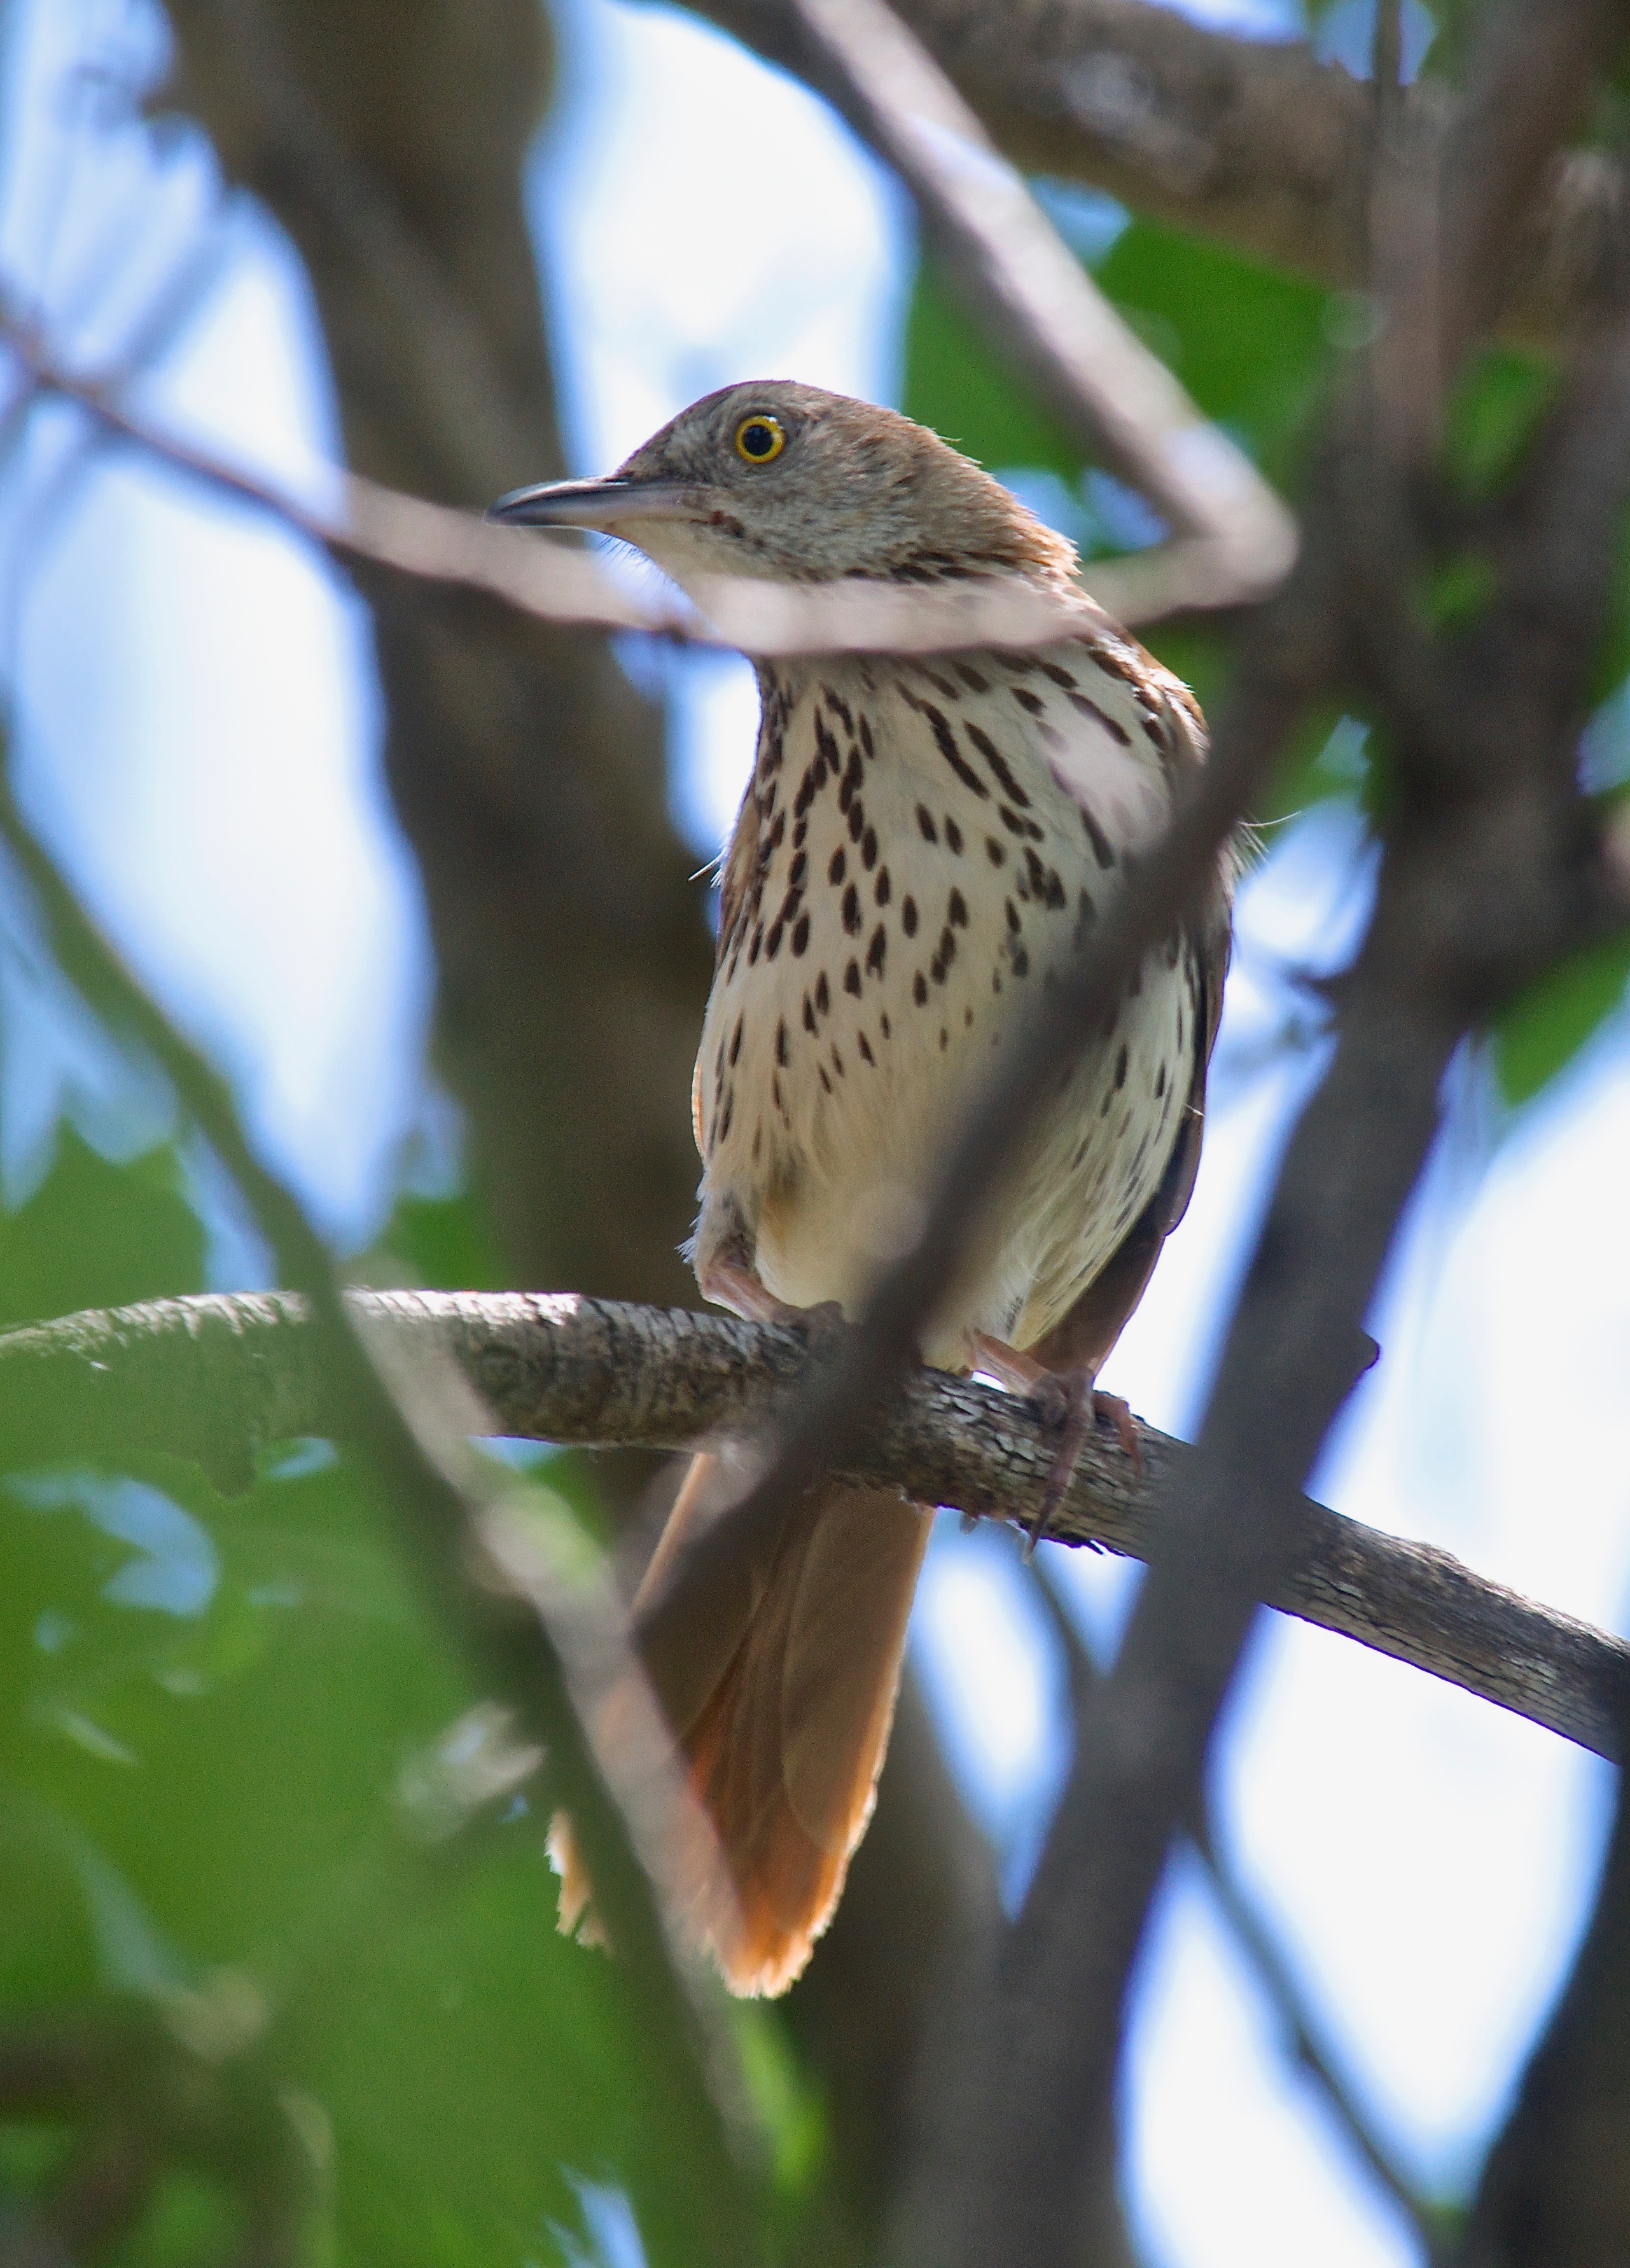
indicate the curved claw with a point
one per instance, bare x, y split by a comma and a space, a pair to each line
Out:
1077, 1415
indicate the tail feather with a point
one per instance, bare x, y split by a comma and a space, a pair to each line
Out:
783, 1736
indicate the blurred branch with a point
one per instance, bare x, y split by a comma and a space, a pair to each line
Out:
1555, 2190
1492, 870
569, 981
1251, 142
1233, 538
216, 1377
150, 2087
1254, 1937
436, 544
553, 1652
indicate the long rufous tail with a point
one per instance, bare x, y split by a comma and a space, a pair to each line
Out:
783, 1718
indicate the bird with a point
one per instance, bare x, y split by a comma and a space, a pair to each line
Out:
924, 840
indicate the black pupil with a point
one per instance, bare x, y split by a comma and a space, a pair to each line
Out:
758, 440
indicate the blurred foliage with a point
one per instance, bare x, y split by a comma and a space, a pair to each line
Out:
1545, 1030
207, 1708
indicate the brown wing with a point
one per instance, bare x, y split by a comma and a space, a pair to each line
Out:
1082, 1339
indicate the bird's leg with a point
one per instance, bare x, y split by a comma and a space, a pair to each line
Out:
1068, 1399
729, 1279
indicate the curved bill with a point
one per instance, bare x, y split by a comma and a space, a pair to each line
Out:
601, 505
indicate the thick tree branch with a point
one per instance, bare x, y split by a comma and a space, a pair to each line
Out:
1253, 142
216, 1377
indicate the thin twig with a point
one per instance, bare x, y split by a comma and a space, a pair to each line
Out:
380, 526
1233, 540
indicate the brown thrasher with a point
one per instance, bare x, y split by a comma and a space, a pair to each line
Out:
921, 842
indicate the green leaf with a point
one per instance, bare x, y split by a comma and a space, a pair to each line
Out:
446, 1243
958, 383
1545, 1027
97, 1234
1493, 413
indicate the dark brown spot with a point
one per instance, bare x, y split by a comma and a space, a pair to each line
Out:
799, 868
1020, 961
1120, 1064
823, 998
864, 1045
735, 1041
851, 910
945, 1039
800, 933
781, 1042
953, 754
1160, 1082
825, 1081
809, 1020
772, 943
883, 885
1112, 726
995, 851
1100, 841
835, 872
908, 915
868, 849
851, 978
856, 821
998, 763
924, 820
971, 678
1026, 700
956, 909
919, 989
876, 950
866, 735
1010, 819
838, 1061
884, 1021
953, 834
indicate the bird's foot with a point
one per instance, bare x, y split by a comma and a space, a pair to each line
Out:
1068, 1402
737, 1285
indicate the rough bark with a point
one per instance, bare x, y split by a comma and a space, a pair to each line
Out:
215, 1378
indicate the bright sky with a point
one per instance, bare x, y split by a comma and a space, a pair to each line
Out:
198, 733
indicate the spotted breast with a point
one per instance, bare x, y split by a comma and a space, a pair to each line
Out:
920, 843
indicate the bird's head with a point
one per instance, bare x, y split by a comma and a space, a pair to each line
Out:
793, 485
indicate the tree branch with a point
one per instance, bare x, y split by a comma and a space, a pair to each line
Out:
216, 1377
1253, 142
432, 543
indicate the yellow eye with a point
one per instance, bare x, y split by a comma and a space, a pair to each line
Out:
760, 436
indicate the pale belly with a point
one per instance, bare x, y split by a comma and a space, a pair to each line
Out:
890, 971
